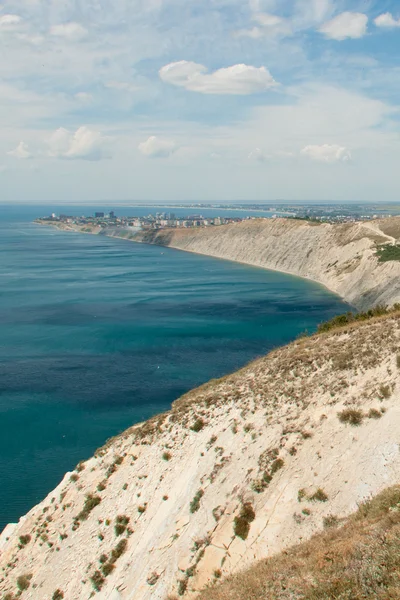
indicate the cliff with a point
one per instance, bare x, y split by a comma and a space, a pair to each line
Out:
341, 256
238, 470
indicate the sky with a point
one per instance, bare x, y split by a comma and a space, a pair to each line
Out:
199, 100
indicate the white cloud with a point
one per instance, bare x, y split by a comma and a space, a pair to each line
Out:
327, 153
346, 25
21, 151
82, 144
257, 155
268, 25
155, 147
84, 97
238, 79
9, 21
71, 31
387, 20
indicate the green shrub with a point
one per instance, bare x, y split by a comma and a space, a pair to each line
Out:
374, 414
90, 503
195, 503
24, 539
58, 595
166, 456
102, 486
388, 252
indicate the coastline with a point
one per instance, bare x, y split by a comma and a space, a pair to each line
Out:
341, 258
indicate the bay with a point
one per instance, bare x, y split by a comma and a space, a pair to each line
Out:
98, 334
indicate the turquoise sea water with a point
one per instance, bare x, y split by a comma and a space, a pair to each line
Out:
99, 333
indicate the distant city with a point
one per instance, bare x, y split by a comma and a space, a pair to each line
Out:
167, 219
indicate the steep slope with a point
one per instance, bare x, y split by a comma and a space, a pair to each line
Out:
238, 470
342, 257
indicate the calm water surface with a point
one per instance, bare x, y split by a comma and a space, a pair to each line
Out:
97, 334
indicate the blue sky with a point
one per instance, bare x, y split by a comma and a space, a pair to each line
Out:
199, 100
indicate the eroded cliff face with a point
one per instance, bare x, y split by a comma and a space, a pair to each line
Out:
341, 257
238, 470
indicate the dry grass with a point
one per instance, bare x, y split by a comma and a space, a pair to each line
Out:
358, 560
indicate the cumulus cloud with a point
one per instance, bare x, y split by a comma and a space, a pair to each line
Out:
257, 155
71, 31
155, 147
268, 25
346, 25
21, 151
83, 144
387, 20
238, 79
9, 21
327, 153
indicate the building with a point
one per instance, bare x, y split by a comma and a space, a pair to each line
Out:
99, 215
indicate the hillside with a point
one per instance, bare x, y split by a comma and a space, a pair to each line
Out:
238, 470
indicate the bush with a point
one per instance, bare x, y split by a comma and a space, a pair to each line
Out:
107, 569
24, 539
241, 523
118, 551
58, 595
374, 414
23, 582
195, 503
97, 580
318, 496
121, 524
388, 252
90, 503
102, 486
198, 425
351, 416
166, 456
330, 521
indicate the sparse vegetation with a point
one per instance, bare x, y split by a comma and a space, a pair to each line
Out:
97, 580
351, 416
58, 595
198, 425
241, 523
358, 560
23, 582
24, 539
195, 503
121, 524
374, 414
91, 502
166, 456
348, 318
387, 252
318, 496
385, 391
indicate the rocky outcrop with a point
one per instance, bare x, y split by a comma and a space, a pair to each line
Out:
239, 469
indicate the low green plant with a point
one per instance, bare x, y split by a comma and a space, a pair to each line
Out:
91, 502
195, 503
241, 523
198, 425
58, 595
318, 496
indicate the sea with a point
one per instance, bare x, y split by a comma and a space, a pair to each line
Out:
98, 334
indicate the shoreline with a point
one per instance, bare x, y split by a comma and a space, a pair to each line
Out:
275, 270
342, 258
